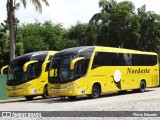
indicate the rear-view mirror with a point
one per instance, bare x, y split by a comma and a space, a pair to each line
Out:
72, 64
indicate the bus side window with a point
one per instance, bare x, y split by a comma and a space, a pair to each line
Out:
47, 67
115, 59
127, 59
98, 60
152, 60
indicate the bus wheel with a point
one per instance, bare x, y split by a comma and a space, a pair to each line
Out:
72, 97
29, 97
95, 91
142, 86
45, 93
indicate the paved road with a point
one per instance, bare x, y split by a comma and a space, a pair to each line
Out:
131, 101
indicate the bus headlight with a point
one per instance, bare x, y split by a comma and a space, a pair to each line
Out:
18, 89
64, 88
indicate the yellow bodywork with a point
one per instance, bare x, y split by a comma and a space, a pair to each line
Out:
129, 77
33, 87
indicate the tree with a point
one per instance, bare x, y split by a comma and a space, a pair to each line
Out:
12, 5
106, 6
149, 30
117, 24
77, 33
3, 45
43, 36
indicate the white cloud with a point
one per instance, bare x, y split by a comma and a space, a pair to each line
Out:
67, 12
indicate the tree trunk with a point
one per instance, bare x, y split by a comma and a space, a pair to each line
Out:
11, 20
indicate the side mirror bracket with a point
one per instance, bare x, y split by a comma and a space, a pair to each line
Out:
72, 64
3, 68
27, 64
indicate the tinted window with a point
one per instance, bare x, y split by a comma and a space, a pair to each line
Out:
107, 59
127, 59
123, 59
39, 57
144, 60
47, 67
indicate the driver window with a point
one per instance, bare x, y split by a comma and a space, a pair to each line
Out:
47, 67
34, 70
81, 68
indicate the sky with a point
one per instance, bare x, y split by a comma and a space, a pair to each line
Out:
67, 12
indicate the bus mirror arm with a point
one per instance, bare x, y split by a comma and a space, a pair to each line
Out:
3, 68
74, 61
27, 64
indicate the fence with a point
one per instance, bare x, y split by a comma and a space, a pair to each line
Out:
3, 92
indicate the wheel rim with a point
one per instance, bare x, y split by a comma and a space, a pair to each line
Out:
143, 86
95, 92
46, 93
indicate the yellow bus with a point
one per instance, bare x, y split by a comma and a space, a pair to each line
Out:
28, 75
92, 70
4, 69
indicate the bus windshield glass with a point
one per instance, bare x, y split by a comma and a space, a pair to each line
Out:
16, 74
60, 65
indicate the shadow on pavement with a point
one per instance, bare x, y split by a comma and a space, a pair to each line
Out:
53, 100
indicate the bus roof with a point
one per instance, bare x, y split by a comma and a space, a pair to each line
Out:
75, 50
122, 50
102, 49
29, 55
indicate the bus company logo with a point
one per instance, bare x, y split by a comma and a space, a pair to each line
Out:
137, 71
117, 78
57, 86
13, 87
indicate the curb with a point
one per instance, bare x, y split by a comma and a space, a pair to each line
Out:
10, 100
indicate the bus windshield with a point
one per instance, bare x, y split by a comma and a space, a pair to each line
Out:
61, 67
16, 74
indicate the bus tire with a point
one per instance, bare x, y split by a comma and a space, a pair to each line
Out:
95, 91
72, 97
29, 97
142, 86
45, 93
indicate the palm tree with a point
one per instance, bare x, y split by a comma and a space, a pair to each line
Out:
105, 5
12, 6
